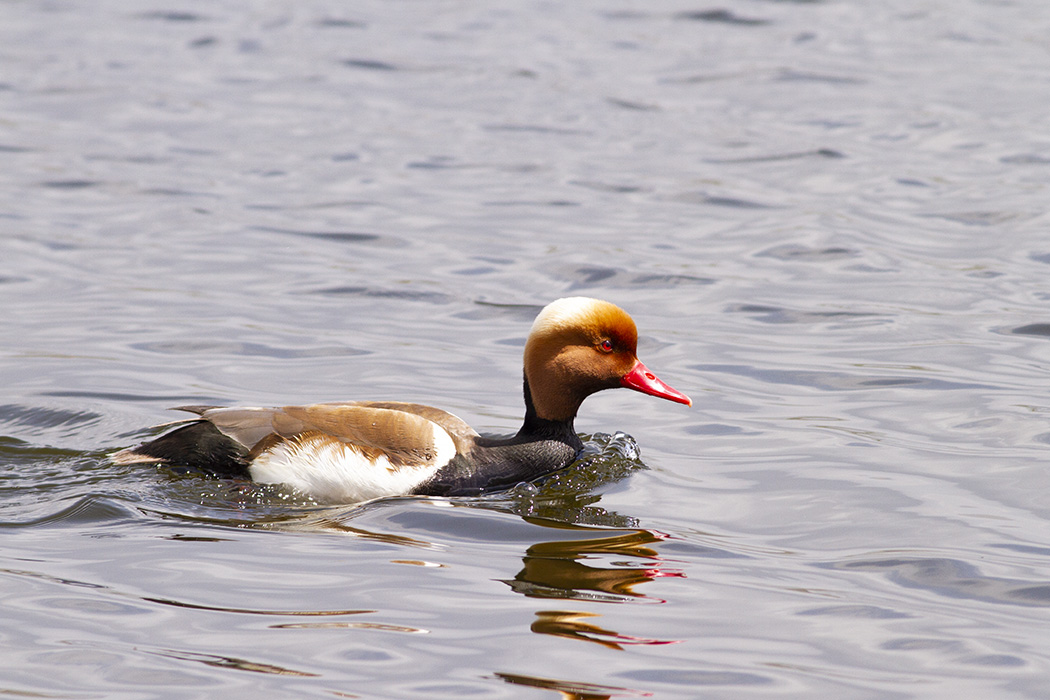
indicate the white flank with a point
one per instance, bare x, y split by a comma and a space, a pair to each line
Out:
336, 472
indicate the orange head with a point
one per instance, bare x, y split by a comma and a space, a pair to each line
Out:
578, 346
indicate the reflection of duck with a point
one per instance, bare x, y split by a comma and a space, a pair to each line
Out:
570, 624
353, 451
570, 690
558, 578
553, 569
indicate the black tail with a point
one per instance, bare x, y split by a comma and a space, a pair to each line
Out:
199, 444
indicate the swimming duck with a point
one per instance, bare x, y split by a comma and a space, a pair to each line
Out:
352, 451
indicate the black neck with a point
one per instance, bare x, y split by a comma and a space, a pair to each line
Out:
536, 428
540, 447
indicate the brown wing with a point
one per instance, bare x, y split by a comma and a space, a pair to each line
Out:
405, 436
461, 433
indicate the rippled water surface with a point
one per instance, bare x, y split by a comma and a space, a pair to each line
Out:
828, 218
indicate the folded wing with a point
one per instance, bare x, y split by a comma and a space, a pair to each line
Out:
342, 452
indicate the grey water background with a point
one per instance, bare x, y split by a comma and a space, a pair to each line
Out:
829, 220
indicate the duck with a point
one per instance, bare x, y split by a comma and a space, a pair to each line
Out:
355, 451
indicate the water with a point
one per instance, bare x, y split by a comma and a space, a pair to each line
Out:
828, 219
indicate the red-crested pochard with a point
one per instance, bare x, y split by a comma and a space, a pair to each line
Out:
353, 451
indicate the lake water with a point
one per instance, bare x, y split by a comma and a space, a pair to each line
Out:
829, 220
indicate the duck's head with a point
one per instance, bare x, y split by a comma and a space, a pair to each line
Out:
578, 346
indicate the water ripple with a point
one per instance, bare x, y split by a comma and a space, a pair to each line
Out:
721, 17
231, 662
952, 578
841, 381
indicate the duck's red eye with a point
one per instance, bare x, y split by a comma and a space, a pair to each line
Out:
606, 345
